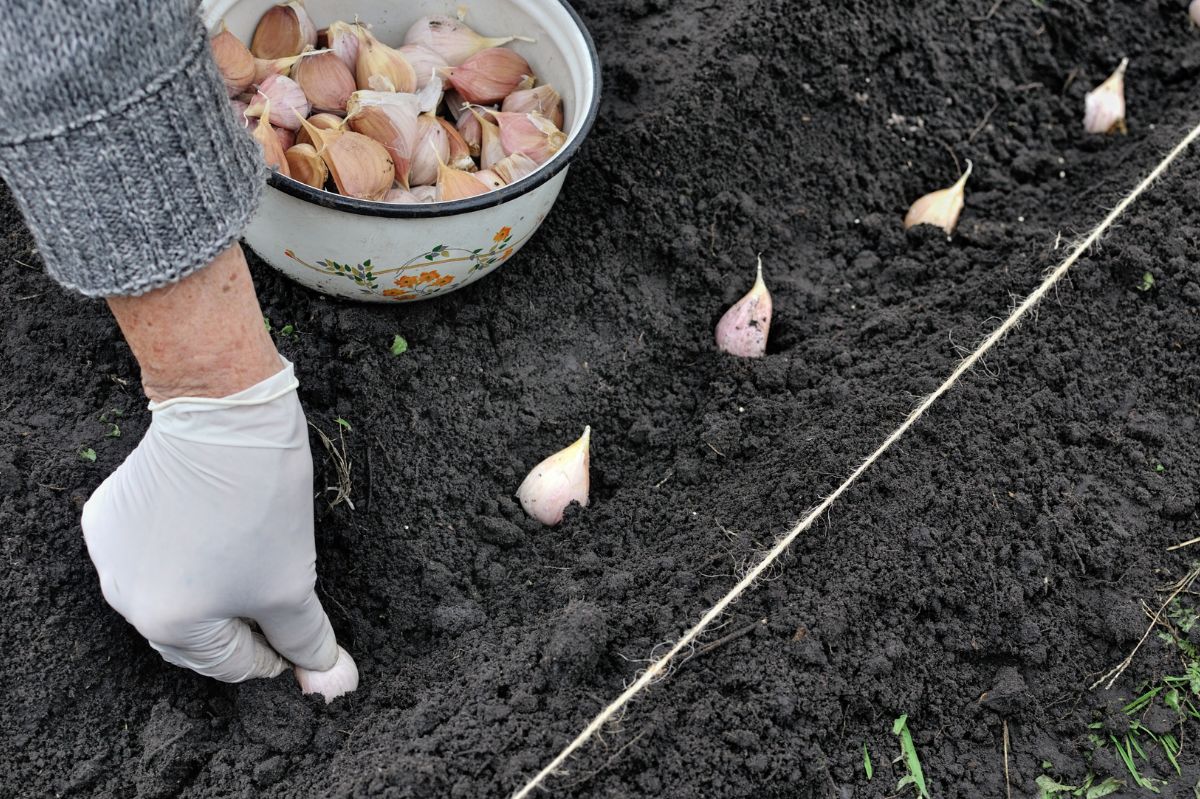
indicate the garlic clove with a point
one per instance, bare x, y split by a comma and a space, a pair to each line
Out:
1194, 11
285, 30
234, 61
529, 134
432, 147
306, 166
514, 167
324, 121
360, 166
542, 99
265, 68
381, 68
424, 62
390, 119
743, 329
272, 149
325, 80
489, 178
471, 131
457, 106
454, 184
451, 38
558, 481
287, 138
430, 97
400, 196
284, 97
488, 76
337, 681
343, 40
424, 194
491, 150
1104, 106
939, 208
459, 151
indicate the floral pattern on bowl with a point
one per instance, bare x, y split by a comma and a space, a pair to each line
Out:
416, 278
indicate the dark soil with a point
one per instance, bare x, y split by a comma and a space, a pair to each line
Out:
1002, 549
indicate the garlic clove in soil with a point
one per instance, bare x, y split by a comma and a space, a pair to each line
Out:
285, 30
744, 328
940, 208
1194, 12
450, 38
515, 167
307, 166
558, 481
543, 99
1104, 106
531, 134
381, 68
488, 76
286, 100
390, 119
337, 681
325, 80
432, 148
460, 151
234, 62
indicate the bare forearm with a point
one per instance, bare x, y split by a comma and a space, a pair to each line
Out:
201, 337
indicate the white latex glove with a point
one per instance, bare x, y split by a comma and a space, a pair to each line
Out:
209, 522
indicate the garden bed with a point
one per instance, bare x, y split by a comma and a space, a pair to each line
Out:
983, 574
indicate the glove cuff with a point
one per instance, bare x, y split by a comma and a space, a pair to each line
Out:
277, 385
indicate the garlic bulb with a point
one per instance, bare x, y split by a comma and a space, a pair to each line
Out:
514, 167
488, 76
743, 329
459, 151
272, 148
344, 41
489, 178
337, 681
432, 147
285, 30
542, 99
491, 150
359, 166
939, 208
234, 62
390, 119
425, 62
306, 166
450, 38
1104, 106
558, 481
529, 134
380, 67
285, 99
325, 80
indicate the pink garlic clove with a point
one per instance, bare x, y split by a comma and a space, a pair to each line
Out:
558, 481
743, 329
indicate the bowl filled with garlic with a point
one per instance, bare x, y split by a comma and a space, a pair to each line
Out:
414, 145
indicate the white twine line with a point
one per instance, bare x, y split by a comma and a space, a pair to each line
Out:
659, 667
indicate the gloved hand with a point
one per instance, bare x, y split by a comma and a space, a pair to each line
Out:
210, 521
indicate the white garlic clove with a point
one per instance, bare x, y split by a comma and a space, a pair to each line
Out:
1194, 11
940, 208
1104, 106
744, 328
432, 147
337, 681
344, 41
424, 62
558, 481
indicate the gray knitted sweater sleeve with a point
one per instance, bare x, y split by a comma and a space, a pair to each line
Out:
117, 141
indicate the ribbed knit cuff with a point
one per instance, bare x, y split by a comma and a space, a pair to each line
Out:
128, 201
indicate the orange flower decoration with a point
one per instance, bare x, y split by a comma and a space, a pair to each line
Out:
406, 281
428, 277
398, 294
444, 280
502, 234
508, 253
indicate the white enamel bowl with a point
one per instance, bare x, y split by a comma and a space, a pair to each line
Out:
380, 252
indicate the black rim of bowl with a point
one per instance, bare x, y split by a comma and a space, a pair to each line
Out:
493, 198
